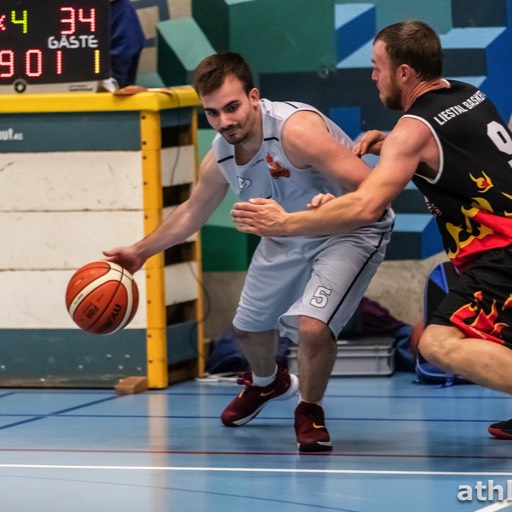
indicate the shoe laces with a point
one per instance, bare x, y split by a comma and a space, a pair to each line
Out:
312, 411
245, 379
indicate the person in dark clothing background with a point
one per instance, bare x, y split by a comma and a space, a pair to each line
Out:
126, 42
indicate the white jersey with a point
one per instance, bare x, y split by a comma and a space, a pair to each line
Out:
270, 174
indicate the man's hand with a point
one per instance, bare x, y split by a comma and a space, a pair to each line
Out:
127, 257
263, 217
370, 142
319, 200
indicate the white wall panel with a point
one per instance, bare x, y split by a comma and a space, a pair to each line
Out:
64, 240
181, 283
178, 165
99, 180
36, 299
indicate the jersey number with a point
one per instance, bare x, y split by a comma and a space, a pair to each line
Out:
320, 297
501, 138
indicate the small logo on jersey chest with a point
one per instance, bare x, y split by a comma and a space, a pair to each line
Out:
243, 183
276, 169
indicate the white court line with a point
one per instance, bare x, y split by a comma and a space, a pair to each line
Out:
490, 508
254, 470
496, 506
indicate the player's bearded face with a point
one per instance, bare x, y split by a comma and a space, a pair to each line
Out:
392, 96
232, 112
238, 130
385, 75
241, 124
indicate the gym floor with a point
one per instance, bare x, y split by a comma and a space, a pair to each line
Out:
398, 445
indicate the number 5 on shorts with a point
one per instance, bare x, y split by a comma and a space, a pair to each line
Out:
320, 297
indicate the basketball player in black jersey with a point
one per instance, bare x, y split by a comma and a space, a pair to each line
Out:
453, 144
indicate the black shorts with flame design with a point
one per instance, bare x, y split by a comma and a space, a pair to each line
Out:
479, 302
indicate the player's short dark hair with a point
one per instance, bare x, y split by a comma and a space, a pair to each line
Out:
212, 71
416, 44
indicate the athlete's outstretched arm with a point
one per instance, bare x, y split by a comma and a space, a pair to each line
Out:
181, 223
402, 151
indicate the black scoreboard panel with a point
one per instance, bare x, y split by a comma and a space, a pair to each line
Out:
64, 43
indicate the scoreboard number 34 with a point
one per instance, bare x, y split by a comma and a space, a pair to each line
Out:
44, 42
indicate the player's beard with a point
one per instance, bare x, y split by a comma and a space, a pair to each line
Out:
393, 100
234, 134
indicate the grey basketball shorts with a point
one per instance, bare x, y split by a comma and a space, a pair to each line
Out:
320, 277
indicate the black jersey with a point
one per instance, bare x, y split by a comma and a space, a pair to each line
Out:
471, 196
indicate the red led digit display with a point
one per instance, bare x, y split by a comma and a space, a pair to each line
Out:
53, 41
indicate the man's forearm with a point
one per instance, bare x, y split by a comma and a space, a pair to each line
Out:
336, 216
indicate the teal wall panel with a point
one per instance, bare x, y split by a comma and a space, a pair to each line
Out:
181, 342
70, 357
181, 47
224, 249
214, 19
284, 35
175, 117
273, 35
70, 131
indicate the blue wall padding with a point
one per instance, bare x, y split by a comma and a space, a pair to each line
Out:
410, 200
342, 88
355, 25
415, 236
348, 118
476, 13
482, 52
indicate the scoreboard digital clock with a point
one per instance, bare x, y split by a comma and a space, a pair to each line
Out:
54, 45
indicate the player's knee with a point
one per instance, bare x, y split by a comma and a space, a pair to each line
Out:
239, 333
243, 337
313, 331
254, 336
436, 345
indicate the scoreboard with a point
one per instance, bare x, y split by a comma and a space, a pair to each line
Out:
53, 45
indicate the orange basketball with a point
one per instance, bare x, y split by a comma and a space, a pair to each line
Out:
102, 297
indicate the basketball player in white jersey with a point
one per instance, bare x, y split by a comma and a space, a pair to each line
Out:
304, 288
